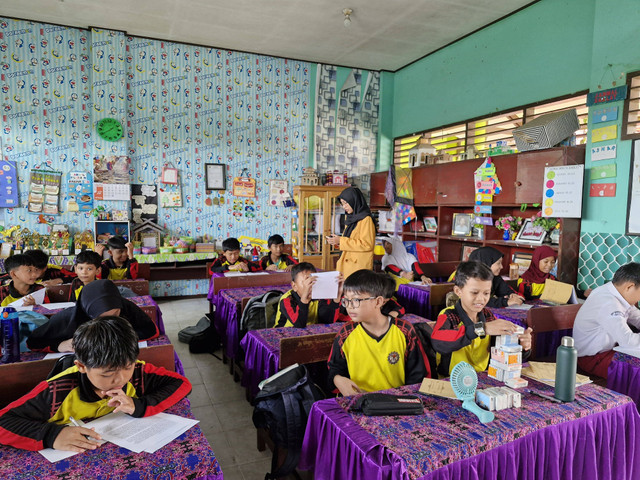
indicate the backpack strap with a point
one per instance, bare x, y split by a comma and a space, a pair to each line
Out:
293, 418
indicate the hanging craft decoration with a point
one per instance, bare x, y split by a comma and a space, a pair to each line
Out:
79, 191
278, 191
44, 191
486, 185
169, 175
8, 184
404, 189
170, 191
244, 186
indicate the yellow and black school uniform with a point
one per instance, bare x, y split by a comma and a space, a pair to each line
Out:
531, 290
76, 288
283, 262
9, 294
394, 359
292, 312
110, 271
221, 265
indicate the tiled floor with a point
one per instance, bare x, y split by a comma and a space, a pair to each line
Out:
216, 400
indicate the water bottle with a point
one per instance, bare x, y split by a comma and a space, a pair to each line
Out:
10, 325
566, 366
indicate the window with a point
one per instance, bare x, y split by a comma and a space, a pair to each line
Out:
485, 132
631, 119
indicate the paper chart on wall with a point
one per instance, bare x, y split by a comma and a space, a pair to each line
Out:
79, 196
8, 184
44, 191
633, 225
562, 191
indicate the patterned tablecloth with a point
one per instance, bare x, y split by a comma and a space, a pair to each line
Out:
175, 257
597, 436
624, 376
414, 299
262, 349
187, 457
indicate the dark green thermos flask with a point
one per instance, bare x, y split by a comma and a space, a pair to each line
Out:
566, 366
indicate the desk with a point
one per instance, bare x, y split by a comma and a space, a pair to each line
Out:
262, 349
596, 437
220, 282
623, 376
187, 457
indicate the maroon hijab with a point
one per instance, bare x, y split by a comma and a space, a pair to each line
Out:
533, 273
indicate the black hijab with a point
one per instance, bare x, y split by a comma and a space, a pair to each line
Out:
486, 255
354, 197
499, 288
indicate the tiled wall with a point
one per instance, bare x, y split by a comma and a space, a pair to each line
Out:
601, 254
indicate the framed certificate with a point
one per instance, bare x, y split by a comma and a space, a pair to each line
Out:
216, 176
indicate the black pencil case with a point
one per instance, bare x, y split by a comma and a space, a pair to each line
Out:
376, 404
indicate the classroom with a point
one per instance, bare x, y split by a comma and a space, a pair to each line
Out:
222, 168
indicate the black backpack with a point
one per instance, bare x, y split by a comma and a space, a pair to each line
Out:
201, 337
260, 312
282, 408
424, 331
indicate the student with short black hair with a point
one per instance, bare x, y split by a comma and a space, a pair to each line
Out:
604, 320
87, 266
121, 265
296, 309
375, 351
276, 260
49, 274
463, 331
23, 274
106, 377
391, 307
231, 260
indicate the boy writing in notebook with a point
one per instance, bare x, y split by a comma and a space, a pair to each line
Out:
463, 331
276, 260
121, 265
231, 260
375, 351
106, 377
24, 275
87, 267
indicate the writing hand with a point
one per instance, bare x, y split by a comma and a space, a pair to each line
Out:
74, 439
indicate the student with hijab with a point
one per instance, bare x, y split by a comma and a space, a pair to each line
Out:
501, 294
400, 263
100, 297
359, 236
531, 284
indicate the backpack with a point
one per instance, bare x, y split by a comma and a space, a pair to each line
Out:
260, 312
201, 337
424, 331
282, 408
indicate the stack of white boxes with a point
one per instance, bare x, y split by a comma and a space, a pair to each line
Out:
506, 359
498, 398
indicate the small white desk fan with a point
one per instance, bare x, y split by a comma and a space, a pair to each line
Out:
464, 381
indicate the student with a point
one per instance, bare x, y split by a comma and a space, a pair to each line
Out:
276, 260
296, 309
603, 321
463, 332
359, 236
106, 377
24, 275
531, 283
87, 266
502, 295
100, 297
230, 260
49, 274
400, 263
374, 352
391, 306
121, 265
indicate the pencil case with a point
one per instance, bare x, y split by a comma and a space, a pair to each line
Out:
377, 404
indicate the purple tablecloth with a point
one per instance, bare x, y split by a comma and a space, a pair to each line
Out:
211, 295
262, 349
414, 299
594, 437
188, 456
624, 376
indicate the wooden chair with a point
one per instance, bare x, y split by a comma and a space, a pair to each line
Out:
307, 349
438, 298
550, 319
139, 287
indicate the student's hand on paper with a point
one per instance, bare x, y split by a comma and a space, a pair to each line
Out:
54, 281
272, 267
515, 299
346, 386
426, 280
121, 401
28, 300
74, 439
242, 267
525, 339
500, 327
66, 346
307, 286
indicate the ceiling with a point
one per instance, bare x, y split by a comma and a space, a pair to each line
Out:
383, 35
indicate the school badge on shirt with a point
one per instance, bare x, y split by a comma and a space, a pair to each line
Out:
393, 358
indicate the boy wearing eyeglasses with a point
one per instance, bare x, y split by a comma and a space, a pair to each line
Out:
296, 309
375, 351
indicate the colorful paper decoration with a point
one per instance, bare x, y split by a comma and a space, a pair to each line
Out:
405, 213
169, 175
79, 191
44, 191
605, 152
8, 184
244, 186
278, 192
605, 114
602, 190
404, 188
170, 196
604, 133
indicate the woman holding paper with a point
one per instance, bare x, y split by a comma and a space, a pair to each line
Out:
359, 236
531, 284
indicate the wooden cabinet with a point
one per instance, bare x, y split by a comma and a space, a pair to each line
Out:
425, 184
317, 213
378, 183
455, 182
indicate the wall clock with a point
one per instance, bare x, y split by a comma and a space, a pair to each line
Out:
110, 129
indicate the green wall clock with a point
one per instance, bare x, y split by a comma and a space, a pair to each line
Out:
110, 129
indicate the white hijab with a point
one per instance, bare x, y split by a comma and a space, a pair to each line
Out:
399, 256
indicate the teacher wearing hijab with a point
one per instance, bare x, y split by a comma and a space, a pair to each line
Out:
359, 236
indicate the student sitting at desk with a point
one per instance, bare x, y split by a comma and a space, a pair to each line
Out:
296, 309
24, 275
230, 260
603, 321
121, 265
531, 283
49, 274
106, 377
401, 264
463, 331
98, 298
375, 351
87, 267
276, 260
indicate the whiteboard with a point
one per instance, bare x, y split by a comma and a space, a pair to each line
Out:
633, 220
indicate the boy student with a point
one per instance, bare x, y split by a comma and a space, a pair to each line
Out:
87, 266
463, 331
106, 377
603, 321
49, 274
296, 309
121, 265
23, 274
230, 260
375, 351
276, 260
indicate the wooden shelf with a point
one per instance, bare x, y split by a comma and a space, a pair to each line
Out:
458, 238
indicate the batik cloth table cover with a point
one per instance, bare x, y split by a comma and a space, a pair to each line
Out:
187, 457
597, 436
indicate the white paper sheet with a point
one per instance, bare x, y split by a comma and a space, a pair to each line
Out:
524, 306
38, 296
326, 285
55, 306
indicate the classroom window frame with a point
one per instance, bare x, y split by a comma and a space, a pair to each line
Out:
631, 107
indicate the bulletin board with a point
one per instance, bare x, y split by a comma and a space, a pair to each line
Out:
633, 214
144, 203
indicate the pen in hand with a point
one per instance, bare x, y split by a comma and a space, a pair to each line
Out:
77, 424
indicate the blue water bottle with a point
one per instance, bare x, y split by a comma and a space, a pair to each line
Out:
10, 325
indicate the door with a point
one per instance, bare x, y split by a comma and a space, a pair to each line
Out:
425, 185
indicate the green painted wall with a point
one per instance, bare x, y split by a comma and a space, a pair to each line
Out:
385, 126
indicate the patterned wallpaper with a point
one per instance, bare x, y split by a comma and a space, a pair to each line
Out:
601, 254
